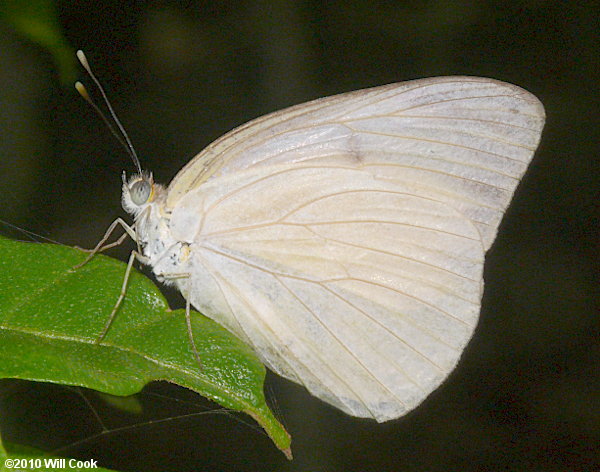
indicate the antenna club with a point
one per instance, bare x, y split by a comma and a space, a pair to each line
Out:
83, 59
82, 91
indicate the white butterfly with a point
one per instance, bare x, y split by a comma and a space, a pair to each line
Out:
344, 238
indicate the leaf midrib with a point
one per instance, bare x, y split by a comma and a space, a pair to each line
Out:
163, 365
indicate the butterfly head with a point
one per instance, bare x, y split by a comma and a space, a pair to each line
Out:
139, 192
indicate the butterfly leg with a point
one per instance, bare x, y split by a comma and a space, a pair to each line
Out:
132, 257
129, 231
188, 317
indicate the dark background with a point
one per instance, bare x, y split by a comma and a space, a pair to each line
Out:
526, 394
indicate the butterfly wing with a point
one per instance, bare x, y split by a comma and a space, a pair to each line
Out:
344, 238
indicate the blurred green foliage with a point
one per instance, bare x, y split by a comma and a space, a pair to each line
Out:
38, 21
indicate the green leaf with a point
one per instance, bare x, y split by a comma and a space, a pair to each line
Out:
38, 21
52, 315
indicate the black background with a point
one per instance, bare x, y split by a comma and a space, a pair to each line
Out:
526, 394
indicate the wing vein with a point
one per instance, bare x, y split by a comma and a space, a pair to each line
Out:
400, 256
444, 143
331, 280
401, 340
342, 344
271, 333
417, 299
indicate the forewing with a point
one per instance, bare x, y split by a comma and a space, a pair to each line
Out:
344, 238
463, 140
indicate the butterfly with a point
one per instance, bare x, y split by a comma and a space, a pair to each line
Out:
344, 238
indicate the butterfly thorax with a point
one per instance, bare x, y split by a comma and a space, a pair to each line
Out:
163, 252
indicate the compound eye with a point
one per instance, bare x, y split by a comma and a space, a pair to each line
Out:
140, 192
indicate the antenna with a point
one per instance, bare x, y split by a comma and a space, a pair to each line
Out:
84, 93
123, 138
